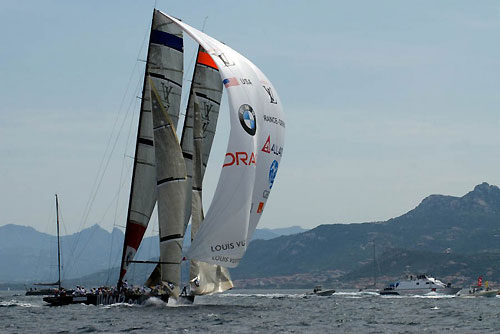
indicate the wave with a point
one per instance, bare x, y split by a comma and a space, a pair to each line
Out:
15, 303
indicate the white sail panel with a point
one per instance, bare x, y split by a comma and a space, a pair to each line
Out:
205, 278
171, 192
248, 172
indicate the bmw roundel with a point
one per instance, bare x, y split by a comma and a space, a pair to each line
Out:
247, 119
273, 170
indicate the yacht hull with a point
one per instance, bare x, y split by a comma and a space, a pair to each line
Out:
420, 292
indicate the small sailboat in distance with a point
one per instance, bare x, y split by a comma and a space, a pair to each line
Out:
169, 172
50, 291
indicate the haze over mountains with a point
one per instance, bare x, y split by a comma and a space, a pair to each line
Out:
454, 238
32, 256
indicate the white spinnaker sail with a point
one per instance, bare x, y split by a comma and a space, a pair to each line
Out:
197, 137
205, 278
253, 155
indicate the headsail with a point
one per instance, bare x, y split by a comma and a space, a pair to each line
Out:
204, 278
197, 138
252, 159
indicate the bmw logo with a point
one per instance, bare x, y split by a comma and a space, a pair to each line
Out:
273, 170
247, 119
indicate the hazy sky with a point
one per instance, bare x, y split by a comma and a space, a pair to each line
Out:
386, 102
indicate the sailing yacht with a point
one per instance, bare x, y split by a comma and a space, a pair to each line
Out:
169, 172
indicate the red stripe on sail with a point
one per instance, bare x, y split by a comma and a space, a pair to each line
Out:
135, 233
205, 59
133, 237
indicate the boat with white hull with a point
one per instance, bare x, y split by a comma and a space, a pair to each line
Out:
419, 285
479, 290
168, 172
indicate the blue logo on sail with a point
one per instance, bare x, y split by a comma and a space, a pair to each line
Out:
273, 170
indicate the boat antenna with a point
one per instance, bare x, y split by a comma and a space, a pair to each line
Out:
204, 22
58, 246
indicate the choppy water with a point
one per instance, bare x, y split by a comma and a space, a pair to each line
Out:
263, 311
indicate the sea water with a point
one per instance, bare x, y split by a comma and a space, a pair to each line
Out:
258, 311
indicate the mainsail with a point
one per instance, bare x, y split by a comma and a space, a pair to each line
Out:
143, 189
153, 166
252, 159
165, 78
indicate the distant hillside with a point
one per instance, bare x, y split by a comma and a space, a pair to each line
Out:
32, 256
468, 225
456, 238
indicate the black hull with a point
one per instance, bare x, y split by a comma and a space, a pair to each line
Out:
50, 292
108, 299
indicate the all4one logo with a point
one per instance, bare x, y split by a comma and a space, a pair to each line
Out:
272, 148
273, 170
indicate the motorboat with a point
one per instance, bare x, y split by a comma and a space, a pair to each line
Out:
318, 291
419, 285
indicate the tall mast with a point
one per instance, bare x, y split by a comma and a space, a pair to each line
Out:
58, 246
375, 266
146, 70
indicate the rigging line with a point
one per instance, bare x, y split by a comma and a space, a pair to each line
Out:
109, 155
100, 181
76, 257
61, 221
88, 205
120, 186
40, 262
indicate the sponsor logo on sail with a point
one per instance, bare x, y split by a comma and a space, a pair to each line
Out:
265, 194
271, 95
275, 120
229, 82
268, 148
227, 246
261, 207
273, 170
205, 115
239, 158
227, 62
247, 119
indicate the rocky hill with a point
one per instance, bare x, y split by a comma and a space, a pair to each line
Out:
456, 229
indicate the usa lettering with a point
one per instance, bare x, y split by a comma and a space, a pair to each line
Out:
239, 158
245, 81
